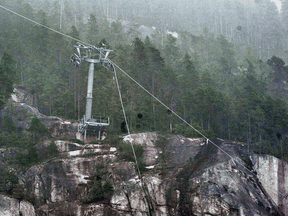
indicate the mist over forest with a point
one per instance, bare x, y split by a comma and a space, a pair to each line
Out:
219, 64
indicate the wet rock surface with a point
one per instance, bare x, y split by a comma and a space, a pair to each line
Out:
195, 178
273, 175
13, 207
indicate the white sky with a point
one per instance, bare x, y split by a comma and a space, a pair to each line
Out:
278, 3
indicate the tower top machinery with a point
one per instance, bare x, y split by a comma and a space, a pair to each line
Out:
92, 126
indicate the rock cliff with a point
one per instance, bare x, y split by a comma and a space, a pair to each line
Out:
198, 179
14, 207
179, 176
273, 175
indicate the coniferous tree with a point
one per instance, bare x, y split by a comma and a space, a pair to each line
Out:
171, 51
7, 78
278, 76
92, 34
8, 125
37, 127
42, 34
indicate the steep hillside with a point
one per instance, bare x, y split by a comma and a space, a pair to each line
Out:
179, 176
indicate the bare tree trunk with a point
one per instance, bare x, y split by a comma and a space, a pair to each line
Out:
209, 121
221, 23
61, 13
281, 146
75, 104
229, 131
202, 123
247, 23
153, 103
249, 132
79, 106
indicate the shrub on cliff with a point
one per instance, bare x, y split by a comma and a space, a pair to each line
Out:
8, 125
19, 192
13, 139
97, 191
8, 181
37, 128
52, 150
27, 160
162, 142
10, 135
126, 153
7, 78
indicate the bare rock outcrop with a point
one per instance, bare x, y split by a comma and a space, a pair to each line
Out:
184, 177
13, 207
273, 175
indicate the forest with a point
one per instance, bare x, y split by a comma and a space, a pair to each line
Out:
223, 71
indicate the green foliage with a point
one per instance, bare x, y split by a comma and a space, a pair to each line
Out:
93, 30
8, 181
35, 156
8, 125
107, 190
37, 128
279, 70
99, 168
10, 185
161, 142
52, 150
28, 159
97, 190
126, 151
13, 139
19, 192
206, 79
113, 139
7, 78
88, 155
182, 129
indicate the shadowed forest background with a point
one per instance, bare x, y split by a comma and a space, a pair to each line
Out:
222, 66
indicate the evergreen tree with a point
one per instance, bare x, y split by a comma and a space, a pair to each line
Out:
284, 16
37, 127
7, 78
278, 76
171, 51
8, 181
227, 60
52, 150
42, 34
8, 124
92, 34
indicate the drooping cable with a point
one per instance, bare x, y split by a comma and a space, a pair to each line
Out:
37, 23
58, 32
126, 122
178, 116
143, 185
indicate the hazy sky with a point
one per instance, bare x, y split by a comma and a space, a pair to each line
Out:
278, 3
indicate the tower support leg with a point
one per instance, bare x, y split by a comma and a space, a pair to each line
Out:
89, 91
85, 134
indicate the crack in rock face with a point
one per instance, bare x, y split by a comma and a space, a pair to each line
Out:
184, 176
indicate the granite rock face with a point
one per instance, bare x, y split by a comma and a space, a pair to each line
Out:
184, 176
13, 207
21, 114
273, 175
